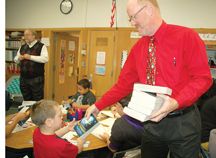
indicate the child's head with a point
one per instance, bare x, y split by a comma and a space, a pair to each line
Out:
83, 86
47, 113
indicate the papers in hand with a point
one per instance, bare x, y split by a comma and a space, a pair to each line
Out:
26, 104
144, 101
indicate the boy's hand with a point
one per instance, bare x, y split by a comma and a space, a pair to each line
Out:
22, 115
80, 141
71, 125
75, 105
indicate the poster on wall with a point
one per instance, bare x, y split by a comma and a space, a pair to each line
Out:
71, 46
101, 57
100, 70
62, 62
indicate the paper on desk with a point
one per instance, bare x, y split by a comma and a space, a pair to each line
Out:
27, 125
107, 113
68, 135
85, 145
100, 130
108, 122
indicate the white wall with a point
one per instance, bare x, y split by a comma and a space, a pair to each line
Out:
96, 13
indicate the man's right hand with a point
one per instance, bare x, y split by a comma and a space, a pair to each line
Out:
91, 110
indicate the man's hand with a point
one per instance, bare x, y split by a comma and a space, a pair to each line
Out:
21, 58
168, 106
91, 110
27, 56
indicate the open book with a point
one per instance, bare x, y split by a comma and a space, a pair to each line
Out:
84, 127
144, 101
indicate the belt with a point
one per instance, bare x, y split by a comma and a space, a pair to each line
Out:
181, 112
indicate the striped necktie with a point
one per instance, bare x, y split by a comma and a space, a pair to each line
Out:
151, 63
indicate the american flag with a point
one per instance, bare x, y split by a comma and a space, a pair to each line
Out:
113, 13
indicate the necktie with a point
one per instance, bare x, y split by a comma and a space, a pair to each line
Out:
151, 63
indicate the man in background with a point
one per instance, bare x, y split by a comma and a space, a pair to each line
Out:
32, 56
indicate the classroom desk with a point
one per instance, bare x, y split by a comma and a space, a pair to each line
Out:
23, 139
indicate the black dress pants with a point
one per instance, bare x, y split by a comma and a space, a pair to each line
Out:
33, 88
180, 135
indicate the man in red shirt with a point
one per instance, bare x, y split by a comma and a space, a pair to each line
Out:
178, 61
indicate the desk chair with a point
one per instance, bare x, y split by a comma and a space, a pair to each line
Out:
13, 87
129, 153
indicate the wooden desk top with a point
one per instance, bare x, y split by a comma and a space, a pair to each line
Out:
23, 139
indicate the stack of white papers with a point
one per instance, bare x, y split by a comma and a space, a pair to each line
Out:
104, 127
144, 101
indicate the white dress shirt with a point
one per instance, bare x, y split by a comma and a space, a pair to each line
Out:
43, 58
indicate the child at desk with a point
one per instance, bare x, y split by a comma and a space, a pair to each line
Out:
126, 132
47, 115
84, 97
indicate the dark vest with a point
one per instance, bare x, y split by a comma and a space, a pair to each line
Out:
28, 68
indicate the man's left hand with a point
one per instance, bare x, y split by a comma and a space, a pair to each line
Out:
27, 56
168, 106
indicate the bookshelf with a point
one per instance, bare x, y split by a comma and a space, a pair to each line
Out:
13, 41
211, 51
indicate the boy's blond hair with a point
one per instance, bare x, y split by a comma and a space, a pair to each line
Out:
43, 110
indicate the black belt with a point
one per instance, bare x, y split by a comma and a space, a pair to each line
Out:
181, 112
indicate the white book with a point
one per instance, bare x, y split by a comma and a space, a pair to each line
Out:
144, 101
135, 114
152, 89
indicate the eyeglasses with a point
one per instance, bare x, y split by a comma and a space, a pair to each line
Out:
133, 17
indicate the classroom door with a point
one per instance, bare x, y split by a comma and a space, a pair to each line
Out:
101, 60
66, 61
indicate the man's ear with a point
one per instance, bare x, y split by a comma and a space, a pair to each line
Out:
49, 122
149, 9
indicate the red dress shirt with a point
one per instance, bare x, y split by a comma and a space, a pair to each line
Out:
181, 64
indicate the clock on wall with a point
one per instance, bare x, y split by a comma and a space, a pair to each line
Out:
66, 6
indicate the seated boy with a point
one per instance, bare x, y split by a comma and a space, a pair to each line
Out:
84, 97
126, 132
47, 115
